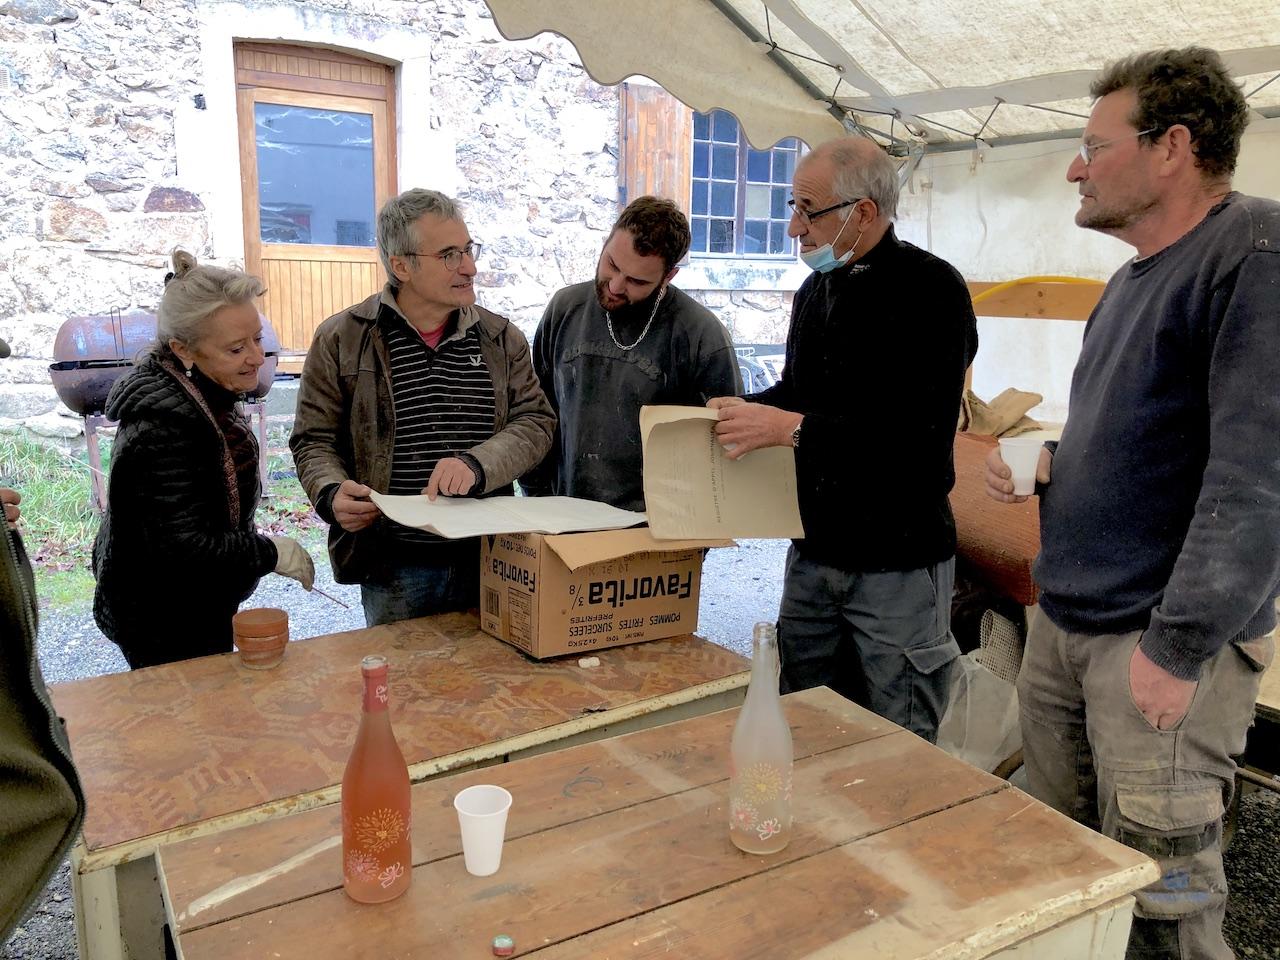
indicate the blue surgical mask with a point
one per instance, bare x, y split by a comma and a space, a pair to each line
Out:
823, 259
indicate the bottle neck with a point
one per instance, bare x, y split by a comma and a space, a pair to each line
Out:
376, 693
765, 667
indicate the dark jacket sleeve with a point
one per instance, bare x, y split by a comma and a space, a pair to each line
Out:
41, 803
1229, 565
318, 442
161, 464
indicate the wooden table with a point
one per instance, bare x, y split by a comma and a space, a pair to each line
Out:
620, 848
192, 748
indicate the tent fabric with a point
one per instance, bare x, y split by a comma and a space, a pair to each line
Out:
687, 46
923, 71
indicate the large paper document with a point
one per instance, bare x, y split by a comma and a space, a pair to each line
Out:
457, 517
691, 489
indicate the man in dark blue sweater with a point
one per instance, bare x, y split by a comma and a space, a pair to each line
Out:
866, 604
1160, 532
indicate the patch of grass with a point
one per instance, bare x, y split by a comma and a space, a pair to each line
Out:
59, 523
60, 589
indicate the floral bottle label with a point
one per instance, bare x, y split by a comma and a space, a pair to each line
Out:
375, 832
760, 800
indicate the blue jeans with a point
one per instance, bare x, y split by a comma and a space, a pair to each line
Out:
880, 639
417, 589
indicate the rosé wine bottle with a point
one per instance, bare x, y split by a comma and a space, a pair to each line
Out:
377, 856
761, 756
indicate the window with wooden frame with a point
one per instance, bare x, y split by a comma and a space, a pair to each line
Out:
739, 193
734, 195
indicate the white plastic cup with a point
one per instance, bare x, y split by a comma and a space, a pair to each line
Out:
1022, 456
482, 817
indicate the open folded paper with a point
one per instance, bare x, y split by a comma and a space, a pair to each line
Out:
691, 489
457, 517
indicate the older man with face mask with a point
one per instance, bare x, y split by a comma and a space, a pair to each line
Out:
867, 596
607, 347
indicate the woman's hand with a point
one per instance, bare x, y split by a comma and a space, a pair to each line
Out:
294, 562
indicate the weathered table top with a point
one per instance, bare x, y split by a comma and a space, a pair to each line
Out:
620, 848
189, 748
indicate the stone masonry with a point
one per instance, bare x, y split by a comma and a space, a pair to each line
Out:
92, 196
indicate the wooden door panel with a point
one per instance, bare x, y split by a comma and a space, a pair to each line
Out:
302, 293
307, 282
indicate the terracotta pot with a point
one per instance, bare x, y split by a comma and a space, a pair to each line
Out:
260, 636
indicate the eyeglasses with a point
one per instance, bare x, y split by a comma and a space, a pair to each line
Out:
808, 216
452, 259
1087, 150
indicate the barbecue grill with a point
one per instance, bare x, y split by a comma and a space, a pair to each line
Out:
91, 353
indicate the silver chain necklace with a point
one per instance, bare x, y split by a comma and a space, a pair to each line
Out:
631, 346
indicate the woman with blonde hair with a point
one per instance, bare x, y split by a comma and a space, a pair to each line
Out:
178, 551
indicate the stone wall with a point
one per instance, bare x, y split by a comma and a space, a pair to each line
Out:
93, 194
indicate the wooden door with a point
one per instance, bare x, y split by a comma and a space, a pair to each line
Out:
317, 144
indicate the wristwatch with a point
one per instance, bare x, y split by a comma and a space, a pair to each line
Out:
795, 435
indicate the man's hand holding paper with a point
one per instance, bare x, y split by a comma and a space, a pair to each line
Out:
744, 426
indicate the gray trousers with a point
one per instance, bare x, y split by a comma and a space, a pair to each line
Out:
882, 640
1091, 754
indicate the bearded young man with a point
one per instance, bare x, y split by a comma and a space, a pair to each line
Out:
607, 347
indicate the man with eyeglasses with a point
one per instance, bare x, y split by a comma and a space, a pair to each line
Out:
415, 390
607, 347
1159, 564
883, 325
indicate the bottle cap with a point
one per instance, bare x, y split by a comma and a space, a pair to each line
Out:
503, 946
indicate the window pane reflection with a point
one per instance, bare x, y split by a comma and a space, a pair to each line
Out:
315, 175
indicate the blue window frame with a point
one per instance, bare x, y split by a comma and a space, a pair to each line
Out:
739, 200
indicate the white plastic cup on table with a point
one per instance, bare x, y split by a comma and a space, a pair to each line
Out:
1022, 455
482, 816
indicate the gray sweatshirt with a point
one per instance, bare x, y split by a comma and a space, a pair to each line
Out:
1163, 509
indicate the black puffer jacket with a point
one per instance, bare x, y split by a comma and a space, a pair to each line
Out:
177, 552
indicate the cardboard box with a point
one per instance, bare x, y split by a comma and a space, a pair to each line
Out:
580, 592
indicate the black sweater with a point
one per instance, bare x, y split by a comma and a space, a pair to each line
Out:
1162, 512
876, 356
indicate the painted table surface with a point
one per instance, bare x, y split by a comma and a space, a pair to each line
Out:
619, 848
187, 748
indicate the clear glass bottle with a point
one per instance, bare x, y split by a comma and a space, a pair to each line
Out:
761, 756
377, 855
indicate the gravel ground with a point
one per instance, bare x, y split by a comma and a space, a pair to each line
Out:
740, 586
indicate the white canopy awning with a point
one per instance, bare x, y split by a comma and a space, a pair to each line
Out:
935, 72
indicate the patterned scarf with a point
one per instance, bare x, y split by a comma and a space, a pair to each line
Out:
228, 462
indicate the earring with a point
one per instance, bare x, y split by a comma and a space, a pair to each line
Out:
188, 373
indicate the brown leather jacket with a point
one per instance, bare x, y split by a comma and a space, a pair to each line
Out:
345, 424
